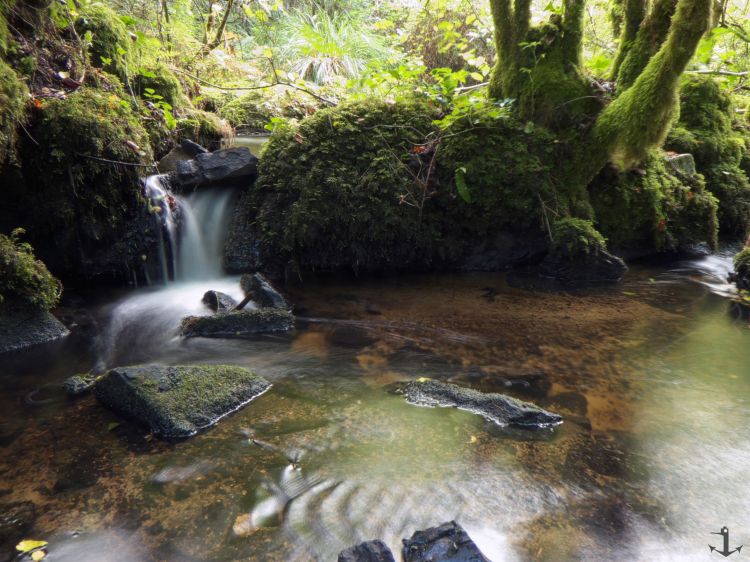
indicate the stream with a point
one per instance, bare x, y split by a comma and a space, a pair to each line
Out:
651, 376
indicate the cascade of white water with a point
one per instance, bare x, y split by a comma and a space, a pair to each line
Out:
194, 228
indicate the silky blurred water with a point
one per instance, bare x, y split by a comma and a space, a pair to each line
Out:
652, 377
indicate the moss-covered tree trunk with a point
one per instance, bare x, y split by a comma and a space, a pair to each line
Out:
539, 67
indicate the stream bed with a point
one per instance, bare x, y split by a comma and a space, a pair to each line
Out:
652, 377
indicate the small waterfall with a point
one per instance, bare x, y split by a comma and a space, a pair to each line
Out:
193, 229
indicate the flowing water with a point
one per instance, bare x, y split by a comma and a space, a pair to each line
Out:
651, 376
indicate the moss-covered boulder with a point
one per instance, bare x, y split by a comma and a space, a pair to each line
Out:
249, 113
203, 127
177, 402
157, 83
78, 193
27, 293
111, 45
578, 255
657, 207
742, 269
706, 130
342, 190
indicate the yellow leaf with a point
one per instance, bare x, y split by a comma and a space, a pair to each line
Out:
473, 439
27, 545
422, 379
38, 555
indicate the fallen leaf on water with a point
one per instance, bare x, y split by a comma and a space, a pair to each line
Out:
112, 425
473, 439
629, 293
423, 379
27, 545
243, 525
38, 555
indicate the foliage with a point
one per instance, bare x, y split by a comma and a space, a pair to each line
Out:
110, 43
653, 208
249, 112
706, 130
23, 277
157, 83
203, 127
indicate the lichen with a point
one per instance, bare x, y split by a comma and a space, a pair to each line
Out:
23, 278
705, 130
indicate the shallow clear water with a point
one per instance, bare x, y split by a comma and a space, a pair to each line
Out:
652, 377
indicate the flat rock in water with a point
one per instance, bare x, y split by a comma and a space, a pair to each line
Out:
177, 402
501, 409
22, 327
445, 543
79, 384
263, 293
238, 324
369, 551
218, 301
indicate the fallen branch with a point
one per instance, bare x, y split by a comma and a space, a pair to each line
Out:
720, 72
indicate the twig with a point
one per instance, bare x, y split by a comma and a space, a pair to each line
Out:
720, 72
472, 87
118, 161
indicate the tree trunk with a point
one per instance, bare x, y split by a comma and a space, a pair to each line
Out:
222, 25
633, 13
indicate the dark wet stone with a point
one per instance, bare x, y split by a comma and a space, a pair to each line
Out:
79, 384
501, 409
228, 163
369, 551
15, 520
169, 162
584, 269
177, 402
22, 327
79, 474
192, 149
505, 250
218, 301
238, 324
242, 246
263, 293
445, 543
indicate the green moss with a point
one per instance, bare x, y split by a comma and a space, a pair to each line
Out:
75, 199
742, 269
706, 131
24, 278
576, 237
111, 46
248, 112
507, 170
203, 127
13, 97
213, 100
158, 83
339, 190
653, 208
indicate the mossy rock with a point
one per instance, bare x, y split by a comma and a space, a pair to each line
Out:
158, 83
79, 195
653, 208
239, 324
13, 97
706, 130
111, 45
177, 402
247, 113
742, 269
23, 278
204, 128
330, 192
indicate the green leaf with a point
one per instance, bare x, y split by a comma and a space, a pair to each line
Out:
463, 189
28, 545
111, 426
149, 90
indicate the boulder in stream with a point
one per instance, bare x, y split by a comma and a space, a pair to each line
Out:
446, 543
22, 326
218, 301
238, 324
228, 165
263, 293
501, 409
177, 402
79, 384
368, 551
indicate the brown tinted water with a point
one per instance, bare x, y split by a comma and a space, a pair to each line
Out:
652, 377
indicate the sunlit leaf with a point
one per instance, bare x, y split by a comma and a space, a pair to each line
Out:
29, 545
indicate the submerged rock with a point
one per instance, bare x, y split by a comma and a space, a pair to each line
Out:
218, 301
22, 327
177, 402
369, 551
16, 519
445, 543
263, 293
501, 409
238, 324
79, 384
